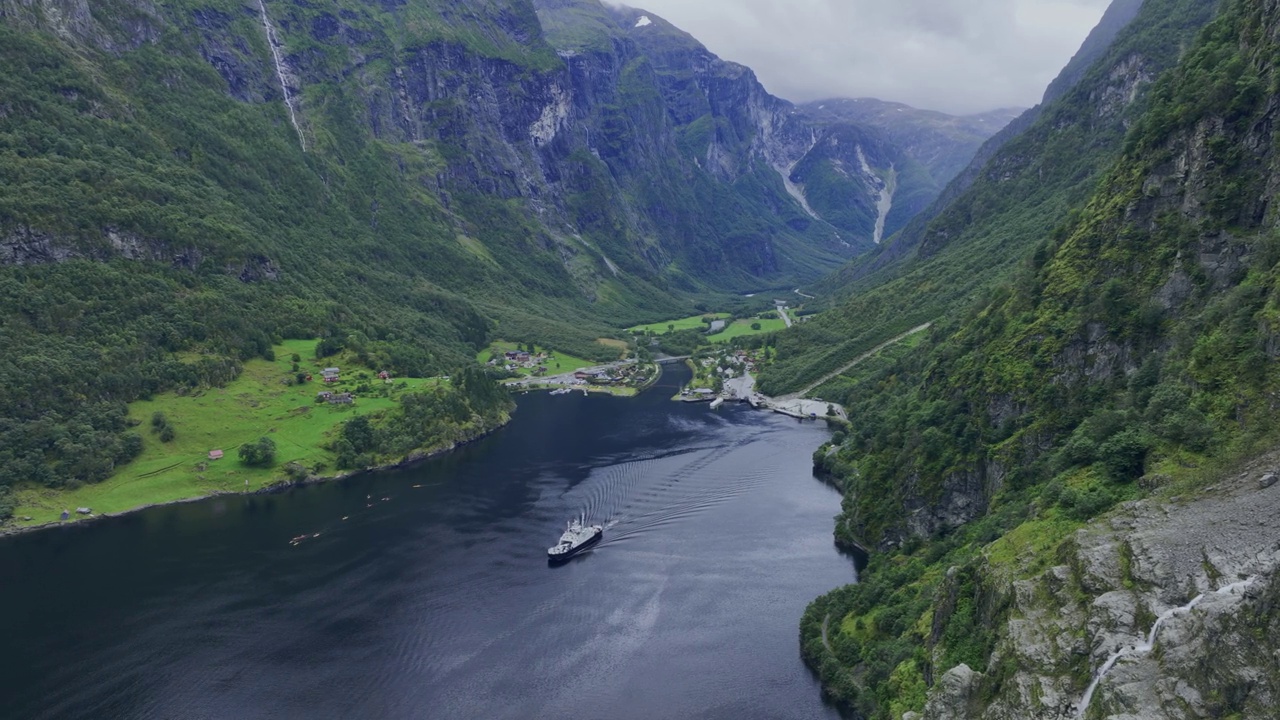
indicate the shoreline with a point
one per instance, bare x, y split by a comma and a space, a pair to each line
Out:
567, 381
274, 488
283, 486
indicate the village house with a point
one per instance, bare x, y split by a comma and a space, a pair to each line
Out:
341, 399
330, 375
215, 454
324, 395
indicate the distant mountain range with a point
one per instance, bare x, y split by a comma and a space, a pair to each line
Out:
944, 144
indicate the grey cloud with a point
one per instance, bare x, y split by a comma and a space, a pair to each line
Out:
952, 55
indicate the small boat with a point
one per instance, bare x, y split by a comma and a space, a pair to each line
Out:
717, 403
576, 538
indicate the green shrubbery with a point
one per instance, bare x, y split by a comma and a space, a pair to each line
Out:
259, 453
426, 420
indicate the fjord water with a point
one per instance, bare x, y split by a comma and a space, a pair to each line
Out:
424, 592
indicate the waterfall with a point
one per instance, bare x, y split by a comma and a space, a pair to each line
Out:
273, 42
1146, 647
885, 189
885, 203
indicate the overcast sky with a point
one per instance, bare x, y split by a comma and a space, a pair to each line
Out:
953, 55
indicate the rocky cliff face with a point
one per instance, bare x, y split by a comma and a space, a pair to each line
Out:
1165, 609
1170, 602
1097, 511
630, 148
842, 172
481, 109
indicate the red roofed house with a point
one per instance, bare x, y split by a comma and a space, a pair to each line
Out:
215, 454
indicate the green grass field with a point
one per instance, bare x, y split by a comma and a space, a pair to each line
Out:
742, 328
689, 323
256, 404
557, 363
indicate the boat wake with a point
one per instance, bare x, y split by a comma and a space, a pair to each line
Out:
638, 497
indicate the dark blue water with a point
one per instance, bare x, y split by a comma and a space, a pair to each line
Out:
426, 593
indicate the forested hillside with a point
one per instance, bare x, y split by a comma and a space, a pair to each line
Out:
186, 184
161, 223
1022, 192
1133, 354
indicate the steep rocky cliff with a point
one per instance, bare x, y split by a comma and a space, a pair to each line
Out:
843, 170
632, 150
1074, 482
1164, 609
480, 110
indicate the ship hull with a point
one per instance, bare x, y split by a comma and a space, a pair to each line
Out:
560, 558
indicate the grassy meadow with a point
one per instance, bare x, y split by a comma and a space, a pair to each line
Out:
742, 328
262, 401
689, 323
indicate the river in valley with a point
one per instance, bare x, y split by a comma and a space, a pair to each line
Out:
425, 592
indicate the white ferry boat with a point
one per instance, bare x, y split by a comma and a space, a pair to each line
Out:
576, 538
